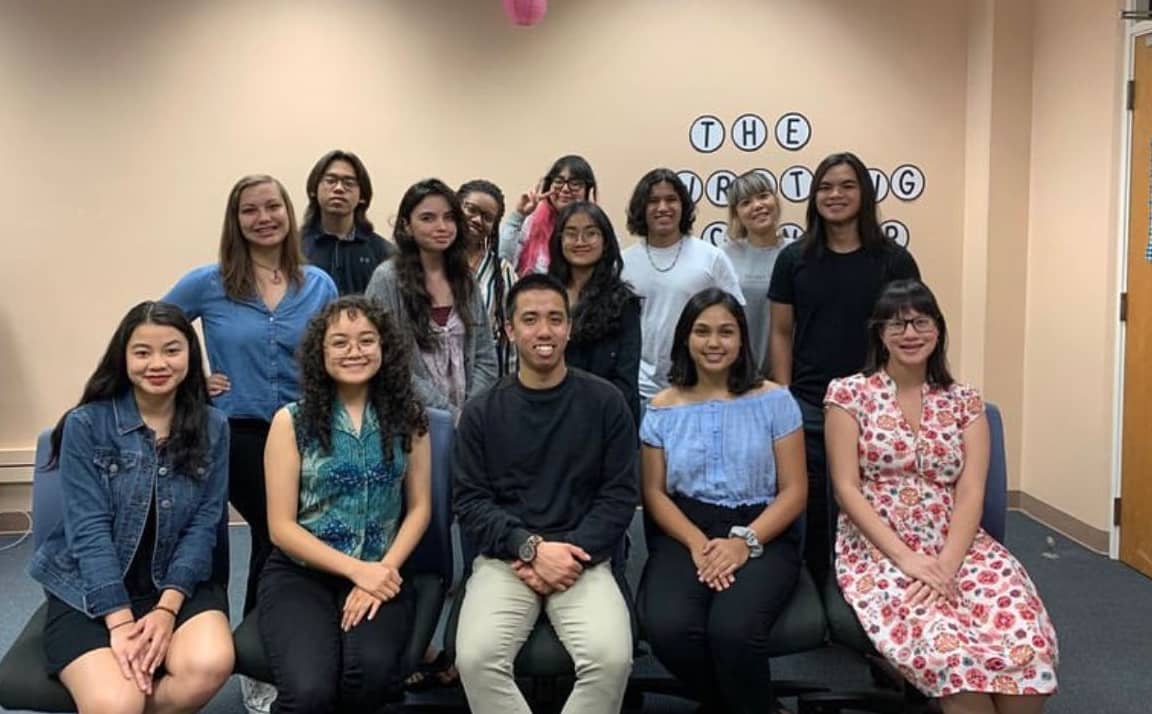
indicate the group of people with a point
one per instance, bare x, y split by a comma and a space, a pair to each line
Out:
729, 391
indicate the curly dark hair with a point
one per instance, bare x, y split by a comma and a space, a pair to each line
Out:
603, 298
410, 271
638, 205
390, 390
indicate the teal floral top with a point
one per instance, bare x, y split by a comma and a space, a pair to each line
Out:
350, 498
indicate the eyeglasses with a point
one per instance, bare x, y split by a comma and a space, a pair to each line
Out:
348, 182
588, 235
897, 325
573, 184
473, 211
343, 346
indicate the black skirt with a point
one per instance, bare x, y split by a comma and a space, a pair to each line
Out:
69, 633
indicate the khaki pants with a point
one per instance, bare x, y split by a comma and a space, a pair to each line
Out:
499, 611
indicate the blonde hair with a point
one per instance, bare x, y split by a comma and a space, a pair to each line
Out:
745, 186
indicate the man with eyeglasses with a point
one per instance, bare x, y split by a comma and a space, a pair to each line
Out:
337, 235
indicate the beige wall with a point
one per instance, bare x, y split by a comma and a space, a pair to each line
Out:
123, 126
1069, 334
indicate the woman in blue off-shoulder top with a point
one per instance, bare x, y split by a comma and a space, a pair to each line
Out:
723, 482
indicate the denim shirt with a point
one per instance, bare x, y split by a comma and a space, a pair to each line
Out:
254, 346
350, 498
108, 470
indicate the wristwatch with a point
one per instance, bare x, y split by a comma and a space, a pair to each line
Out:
527, 549
755, 550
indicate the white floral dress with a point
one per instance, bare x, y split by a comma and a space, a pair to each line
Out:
997, 638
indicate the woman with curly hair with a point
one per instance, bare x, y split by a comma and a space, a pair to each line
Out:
483, 204
349, 497
431, 294
605, 337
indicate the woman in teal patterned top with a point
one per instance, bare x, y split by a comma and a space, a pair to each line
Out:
349, 497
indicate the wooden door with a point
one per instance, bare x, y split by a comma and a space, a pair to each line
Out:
1136, 473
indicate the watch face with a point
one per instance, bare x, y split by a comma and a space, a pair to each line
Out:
527, 550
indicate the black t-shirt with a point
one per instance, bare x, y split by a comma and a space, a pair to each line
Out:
832, 298
138, 580
559, 462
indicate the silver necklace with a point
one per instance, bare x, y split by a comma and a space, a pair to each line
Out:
657, 268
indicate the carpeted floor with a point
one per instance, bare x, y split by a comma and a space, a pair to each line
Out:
1102, 610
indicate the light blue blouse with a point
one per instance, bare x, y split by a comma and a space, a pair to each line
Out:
720, 451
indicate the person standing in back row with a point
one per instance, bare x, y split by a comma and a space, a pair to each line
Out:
822, 291
666, 267
337, 235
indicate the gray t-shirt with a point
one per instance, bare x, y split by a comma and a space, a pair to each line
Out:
753, 264
666, 279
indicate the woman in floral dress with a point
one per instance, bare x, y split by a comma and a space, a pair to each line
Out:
908, 450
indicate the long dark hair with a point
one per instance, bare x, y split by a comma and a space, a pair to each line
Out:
602, 300
312, 184
900, 296
410, 271
236, 266
187, 444
638, 204
742, 375
872, 238
390, 391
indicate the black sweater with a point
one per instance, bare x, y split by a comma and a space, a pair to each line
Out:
558, 462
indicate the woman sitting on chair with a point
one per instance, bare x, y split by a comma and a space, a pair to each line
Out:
908, 451
133, 621
723, 482
349, 497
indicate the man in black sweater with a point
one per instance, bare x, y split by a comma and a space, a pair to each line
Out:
545, 487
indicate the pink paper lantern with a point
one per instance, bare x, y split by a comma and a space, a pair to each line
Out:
525, 12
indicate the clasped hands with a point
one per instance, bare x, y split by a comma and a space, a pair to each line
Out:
717, 561
141, 646
375, 583
933, 581
555, 568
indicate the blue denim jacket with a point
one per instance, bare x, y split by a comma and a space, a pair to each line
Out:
108, 468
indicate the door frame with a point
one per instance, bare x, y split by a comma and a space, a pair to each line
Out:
1133, 31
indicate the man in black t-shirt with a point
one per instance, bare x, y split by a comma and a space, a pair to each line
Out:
336, 234
545, 487
823, 289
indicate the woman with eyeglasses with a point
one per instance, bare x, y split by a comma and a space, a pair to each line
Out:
525, 234
483, 205
908, 451
605, 334
349, 497
431, 294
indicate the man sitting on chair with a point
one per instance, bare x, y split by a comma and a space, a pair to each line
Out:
545, 487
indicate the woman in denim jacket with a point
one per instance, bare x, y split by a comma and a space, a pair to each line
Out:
133, 620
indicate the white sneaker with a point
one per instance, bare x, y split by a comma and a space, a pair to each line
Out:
258, 696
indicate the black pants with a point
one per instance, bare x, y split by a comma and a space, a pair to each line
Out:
818, 532
246, 492
319, 668
716, 642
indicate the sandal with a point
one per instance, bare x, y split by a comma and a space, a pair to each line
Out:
433, 674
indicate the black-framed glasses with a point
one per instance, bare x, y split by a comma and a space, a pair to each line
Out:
897, 325
348, 182
573, 184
